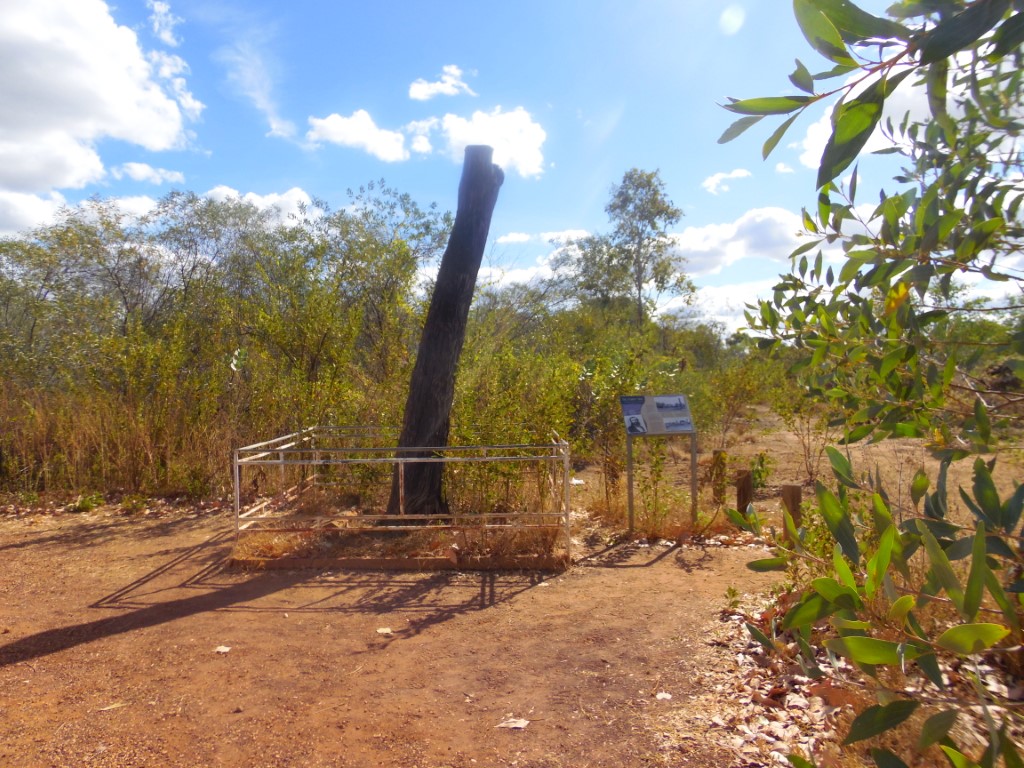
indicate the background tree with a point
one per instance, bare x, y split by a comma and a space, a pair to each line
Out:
634, 261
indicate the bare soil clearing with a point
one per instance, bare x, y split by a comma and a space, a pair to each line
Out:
111, 629
124, 642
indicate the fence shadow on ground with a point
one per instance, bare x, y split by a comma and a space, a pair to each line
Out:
195, 581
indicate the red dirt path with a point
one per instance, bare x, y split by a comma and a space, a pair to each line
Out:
109, 629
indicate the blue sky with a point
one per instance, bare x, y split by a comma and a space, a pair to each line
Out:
280, 102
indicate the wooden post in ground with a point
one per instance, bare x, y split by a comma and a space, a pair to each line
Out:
791, 500
744, 490
718, 462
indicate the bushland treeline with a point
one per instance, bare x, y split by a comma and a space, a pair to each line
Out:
137, 351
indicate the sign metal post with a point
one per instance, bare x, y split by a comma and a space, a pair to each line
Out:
658, 416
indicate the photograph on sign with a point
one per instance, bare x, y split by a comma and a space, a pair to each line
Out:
635, 425
656, 414
666, 404
678, 425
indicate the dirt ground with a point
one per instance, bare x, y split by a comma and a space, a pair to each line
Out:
124, 644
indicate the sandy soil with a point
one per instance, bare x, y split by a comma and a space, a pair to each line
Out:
116, 630
124, 642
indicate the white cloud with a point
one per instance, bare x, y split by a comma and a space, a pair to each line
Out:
731, 20
421, 145
171, 69
420, 131
70, 76
163, 22
48, 159
516, 138
450, 84
763, 234
514, 237
136, 205
564, 236
783, 168
249, 71
144, 172
725, 304
496, 276
20, 212
284, 206
716, 183
813, 143
359, 132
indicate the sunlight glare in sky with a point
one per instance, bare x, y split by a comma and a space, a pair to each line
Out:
732, 19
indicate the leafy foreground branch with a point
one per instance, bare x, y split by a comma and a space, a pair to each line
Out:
876, 311
924, 610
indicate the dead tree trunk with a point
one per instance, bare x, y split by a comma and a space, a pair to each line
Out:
432, 388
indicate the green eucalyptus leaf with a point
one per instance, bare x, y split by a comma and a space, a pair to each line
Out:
841, 467
761, 638
866, 650
807, 612
857, 433
878, 564
1010, 35
962, 30
919, 486
839, 594
768, 105
842, 568
885, 759
801, 78
936, 728
958, 759
850, 627
858, 26
1009, 610
898, 610
1012, 509
975, 588
821, 33
985, 493
854, 120
929, 665
777, 134
839, 524
768, 564
967, 639
879, 719
738, 520
981, 420
738, 127
943, 571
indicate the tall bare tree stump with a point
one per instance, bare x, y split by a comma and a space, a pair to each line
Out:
432, 388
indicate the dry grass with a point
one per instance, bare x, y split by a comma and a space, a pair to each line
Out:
474, 541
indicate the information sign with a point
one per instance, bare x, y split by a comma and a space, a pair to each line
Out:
656, 414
